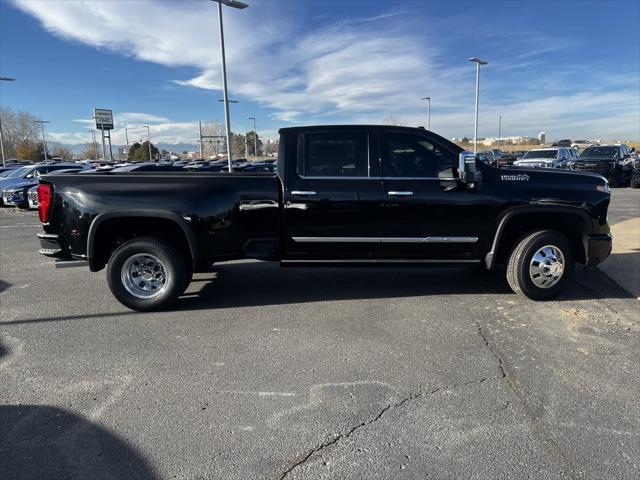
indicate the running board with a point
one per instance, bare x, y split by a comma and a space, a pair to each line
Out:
377, 262
60, 263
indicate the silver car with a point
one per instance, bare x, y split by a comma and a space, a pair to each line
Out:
556, 157
32, 197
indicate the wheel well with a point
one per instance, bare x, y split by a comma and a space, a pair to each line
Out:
571, 225
113, 232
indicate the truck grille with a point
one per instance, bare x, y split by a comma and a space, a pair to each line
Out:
595, 167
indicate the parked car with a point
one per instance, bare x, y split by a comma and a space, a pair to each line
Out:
30, 174
507, 159
32, 197
260, 166
562, 143
545, 158
581, 144
343, 195
614, 162
491, 156
635, 174
18, 195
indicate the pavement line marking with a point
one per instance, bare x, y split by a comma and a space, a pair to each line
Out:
21, 225
259, 394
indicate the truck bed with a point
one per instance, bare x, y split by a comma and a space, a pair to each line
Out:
225, 213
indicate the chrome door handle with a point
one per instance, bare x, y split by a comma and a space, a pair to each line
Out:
394, 193
304, 193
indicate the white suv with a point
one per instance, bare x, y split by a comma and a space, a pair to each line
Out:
556, 157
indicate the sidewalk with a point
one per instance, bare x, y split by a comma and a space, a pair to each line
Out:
623, 265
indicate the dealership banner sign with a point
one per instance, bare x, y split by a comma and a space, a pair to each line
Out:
104, 118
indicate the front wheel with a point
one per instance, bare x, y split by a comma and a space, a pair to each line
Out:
147, 274
540, 264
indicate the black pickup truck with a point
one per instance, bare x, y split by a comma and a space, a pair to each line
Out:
342, 196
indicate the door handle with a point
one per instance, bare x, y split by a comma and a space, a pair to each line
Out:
394, 193
304, 193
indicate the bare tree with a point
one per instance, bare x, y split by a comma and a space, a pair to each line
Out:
213, 146
57, 150
394, 121
19, 131
89, 152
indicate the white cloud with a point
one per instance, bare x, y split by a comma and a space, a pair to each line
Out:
360, 69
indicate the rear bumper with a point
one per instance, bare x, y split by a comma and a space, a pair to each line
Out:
51, 245
598, 248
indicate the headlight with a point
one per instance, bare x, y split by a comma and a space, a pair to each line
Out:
604, 188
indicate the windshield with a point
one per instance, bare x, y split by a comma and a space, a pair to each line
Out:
18, 172
540, 154
599, 152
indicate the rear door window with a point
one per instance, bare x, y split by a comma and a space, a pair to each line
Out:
334, 155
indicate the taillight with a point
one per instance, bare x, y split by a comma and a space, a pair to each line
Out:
45, 199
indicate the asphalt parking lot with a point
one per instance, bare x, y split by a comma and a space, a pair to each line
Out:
267, 373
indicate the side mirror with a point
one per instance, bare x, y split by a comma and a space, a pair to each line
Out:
467, 167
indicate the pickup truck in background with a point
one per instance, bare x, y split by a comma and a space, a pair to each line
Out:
342, 196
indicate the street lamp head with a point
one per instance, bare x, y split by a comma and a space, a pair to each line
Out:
251, 118
230, 101
478, 61
7, 79
425, 98
232, 3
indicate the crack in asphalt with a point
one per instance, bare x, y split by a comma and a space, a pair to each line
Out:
538, 430
371, 420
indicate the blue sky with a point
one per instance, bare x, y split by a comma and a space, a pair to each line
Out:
571, 69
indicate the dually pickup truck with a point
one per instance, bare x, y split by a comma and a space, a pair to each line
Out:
342, 196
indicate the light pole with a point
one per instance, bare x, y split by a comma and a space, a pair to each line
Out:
44, 141
227, 119
499, 130
428, 99
6, 79
148, 139
478, 62
255, 137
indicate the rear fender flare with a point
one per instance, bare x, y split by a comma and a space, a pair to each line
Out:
172, 216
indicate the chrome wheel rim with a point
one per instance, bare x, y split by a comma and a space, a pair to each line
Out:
547, 266
144, 276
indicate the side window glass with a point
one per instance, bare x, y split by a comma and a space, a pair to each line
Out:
335, 155
413, 156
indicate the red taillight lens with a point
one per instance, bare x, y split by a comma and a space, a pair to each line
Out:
45, 199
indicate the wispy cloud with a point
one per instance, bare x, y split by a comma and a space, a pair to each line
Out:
345, 70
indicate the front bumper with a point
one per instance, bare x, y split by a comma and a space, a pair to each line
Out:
598, 248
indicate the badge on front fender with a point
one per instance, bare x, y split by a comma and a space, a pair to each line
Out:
521, 177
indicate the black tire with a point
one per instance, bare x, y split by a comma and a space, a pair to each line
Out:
635, 182
518, 268
177, 274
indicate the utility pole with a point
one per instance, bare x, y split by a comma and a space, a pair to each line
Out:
227, 119
246, 146
499, 130
255, 137
6, 79
95, 145
428, 99
148, 140
44, 141
200, 130
478, 62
